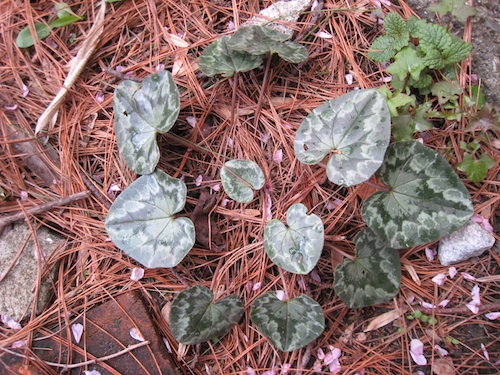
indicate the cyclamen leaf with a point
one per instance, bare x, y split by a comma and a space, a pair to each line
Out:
240, 178
194, 318
289, 325
373, 277
426, 200
218, 58
382, 49
25, 39
395, 26
141, 222
141, 111
260, 40
297, 247
356, 127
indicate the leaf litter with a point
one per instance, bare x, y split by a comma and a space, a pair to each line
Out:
86, 148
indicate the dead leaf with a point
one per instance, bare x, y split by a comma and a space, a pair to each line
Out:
175, 40
413, 273
165, 312
443, 367
383, 320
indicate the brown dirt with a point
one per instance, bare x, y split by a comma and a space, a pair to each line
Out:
92, 268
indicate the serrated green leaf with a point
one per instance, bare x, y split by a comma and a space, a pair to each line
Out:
260, 40
426, 199
142, 111
25, 39
457, 51
218, 58
458, 8
194, 318
141, 221
423, 82
373, 277
355, 127
296, 247
476, 170
289, 325
416, 26
240, 178
434, 38
407, 61
382, 49
446, 91
395, 26
64, 21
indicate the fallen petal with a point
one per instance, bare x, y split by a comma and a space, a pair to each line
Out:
452, 272
443, 303
77, 331
11, 323
417, 352
439, 279
442, 352
493, 315
468, 276
472, 307
278, 156
26, 91
476, 298
320, 354
485, 352
430, 254
135, 334
280, 294
191, 120
136, 274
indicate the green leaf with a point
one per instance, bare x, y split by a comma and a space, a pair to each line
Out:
194, 318
240, 178
434, 38
25, 39
141, 221
297, 247
457, 51
289, 325
476, 170
426, 200
407, 61
373, 277
260, 40
458, 8
64, 21
140, 113
395, 26
447, 92
355, 127
218, 58
64, 10
382, 49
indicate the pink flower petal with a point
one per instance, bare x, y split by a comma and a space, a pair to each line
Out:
278, 156
430, 254
443, 303
215, 187
91, 372
335, 367
256, 286
136, 274
19, 344
472, 307
324, 35
349, 78
160, 67
476, 297
77, 331
485, 352
198, 180
483, 222
135, 334
417, 352
280, 294
317, 367
468, 276
442, 352
452, 272
320, 354
286, 367
25, 91
11, 107
191, 120
427, 305
99, 97
11, 323
439, 279
492, 315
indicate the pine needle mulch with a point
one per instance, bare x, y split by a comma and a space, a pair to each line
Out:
79, 153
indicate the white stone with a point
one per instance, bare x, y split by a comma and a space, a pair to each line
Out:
469, 241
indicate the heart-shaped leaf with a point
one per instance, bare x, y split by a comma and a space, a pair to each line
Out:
141, 111
260, 40
355, 128
141, 223
240, 178
289, 325
218, 58
426, 200
195, 319
298, 246
373, 277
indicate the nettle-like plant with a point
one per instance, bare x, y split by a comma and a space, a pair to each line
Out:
422, 198
418, 50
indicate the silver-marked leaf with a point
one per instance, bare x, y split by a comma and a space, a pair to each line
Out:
297, 247
218, 58
426, 200
240, 178
373, 277
260, 40
141, 222
355, 128
141, 111
195, 319
289, 325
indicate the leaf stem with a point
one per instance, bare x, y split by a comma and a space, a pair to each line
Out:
233, 98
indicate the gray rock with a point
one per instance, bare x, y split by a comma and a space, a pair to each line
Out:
17, 288
469, 241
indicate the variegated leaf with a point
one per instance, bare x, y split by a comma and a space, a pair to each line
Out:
260, 40
297, 247
141, 222
373, 277
141, 111
240, 178
289, 325
218, 58
355, 128
195, 319
426, 199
